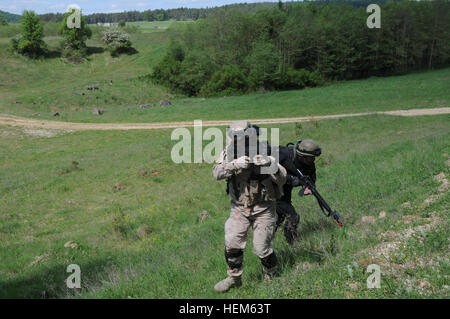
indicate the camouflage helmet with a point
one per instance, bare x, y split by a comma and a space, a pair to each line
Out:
307, 148
239, 127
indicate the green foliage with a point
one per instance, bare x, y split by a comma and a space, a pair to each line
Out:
117, 41
122, 23
228, 80
3, 21
15, 41
181, 72
31, 42
74, 38
195, 69
263, 65
299, 45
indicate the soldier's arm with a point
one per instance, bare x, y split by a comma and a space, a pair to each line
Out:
223, 169
311, 173
280, 176
284, 161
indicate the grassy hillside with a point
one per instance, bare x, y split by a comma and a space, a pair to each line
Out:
30, 86
129, 216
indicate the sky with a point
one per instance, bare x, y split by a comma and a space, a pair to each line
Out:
97, 6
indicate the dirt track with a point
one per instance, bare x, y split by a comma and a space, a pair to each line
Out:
46, 124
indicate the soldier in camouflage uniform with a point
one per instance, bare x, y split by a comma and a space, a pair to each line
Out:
253, 204
302, 157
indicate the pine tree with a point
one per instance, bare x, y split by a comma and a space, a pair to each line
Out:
75, 38
31, 43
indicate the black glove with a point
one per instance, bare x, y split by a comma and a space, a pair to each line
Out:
295, 181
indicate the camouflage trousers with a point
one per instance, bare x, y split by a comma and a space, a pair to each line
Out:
262, 219
286, 211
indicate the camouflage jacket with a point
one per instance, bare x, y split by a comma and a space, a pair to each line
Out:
248, 187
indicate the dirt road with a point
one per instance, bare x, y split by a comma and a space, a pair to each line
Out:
46, 124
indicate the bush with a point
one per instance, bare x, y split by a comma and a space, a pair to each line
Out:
3, 22
195, 71
228, 80
31, 42
75, 38
15, 42
71, 54
117, 41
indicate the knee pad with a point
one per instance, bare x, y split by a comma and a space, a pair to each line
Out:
269, 261
234, 258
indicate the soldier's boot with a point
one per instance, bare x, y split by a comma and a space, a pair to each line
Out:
269, 264
291, 235
269, 273
234, 258
290, 229
227, 283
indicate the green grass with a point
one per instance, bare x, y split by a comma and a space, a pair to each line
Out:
369, 164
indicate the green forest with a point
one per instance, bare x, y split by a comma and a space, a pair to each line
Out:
304, 45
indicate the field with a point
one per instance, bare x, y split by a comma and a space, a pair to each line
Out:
114, 202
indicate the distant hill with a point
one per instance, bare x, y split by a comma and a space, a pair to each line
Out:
10, 17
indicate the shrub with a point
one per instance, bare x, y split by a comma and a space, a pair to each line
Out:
75, 38
228, 80
15, 42
117, 41
31, 42
195, 70
3, 22
71, 54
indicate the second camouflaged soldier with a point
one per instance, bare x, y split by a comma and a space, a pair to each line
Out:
300, 156
253, 204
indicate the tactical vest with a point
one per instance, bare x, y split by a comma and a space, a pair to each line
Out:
248, 187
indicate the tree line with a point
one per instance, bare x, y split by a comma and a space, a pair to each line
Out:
159, 14
304, 44
9, 17
176, 14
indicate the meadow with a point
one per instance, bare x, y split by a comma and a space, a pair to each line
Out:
114, 202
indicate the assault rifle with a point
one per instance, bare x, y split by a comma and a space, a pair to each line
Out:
306, 181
